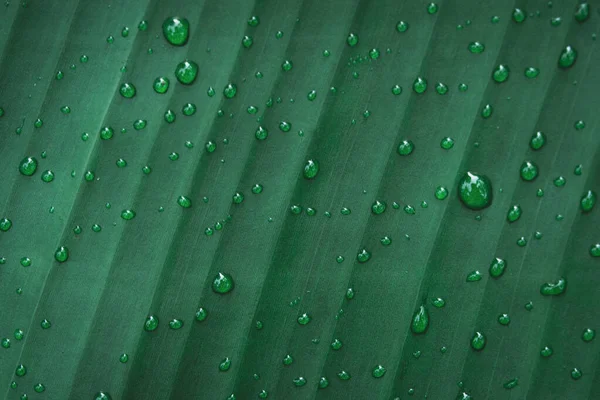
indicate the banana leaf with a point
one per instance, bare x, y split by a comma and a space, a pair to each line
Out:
294, 223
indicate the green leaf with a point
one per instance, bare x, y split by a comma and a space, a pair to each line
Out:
299, 199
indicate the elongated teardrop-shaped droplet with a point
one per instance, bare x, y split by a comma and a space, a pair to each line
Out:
497, 267
420, 320
478, 341
62, 254
588, 200
567, 57
311, 169
151, 323
554, 288
475, 191
222, 283
186, 72
176, 30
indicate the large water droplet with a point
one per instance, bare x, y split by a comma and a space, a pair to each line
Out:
186, 72
475, 191
28, 166
176, 30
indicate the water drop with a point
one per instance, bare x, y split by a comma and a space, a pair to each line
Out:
379, 371
176, 30
476, 47
554, 288
304, 319
128, 90
501, 73
546, 351
28, 166
474, 276
587, 202
447, 143
222, 283
311, 169
588, 335
537, 141
529, 171
518, 15
432, 8
511, 383
363, 256
582, 11
497, 267
420, 85
504, 319
151, 323
420, 320
378, 207
247, 41
186, 72
61, 254
478, 341
487, 111
343, 375
441, 193
514, 213
405, 147
532, 72
475, 191
352, 39
567, 57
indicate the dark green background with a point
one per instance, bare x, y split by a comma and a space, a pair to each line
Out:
162, 263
